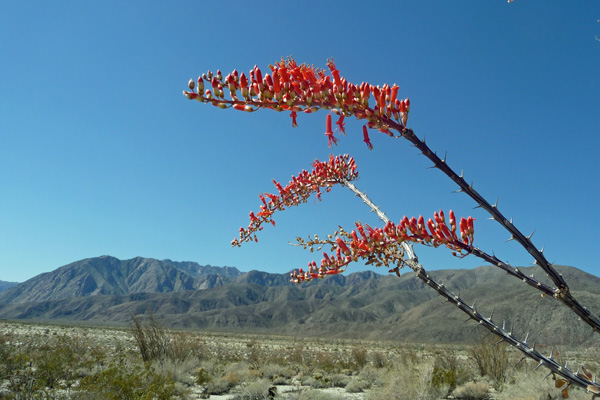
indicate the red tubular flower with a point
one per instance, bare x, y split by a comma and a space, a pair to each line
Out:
258, 74
471, 229
340, 124
302, 87
395, 89
463, 230
445, 230
342, 246
431, 226
269, 80
366, 138
363, 246
276, 86
330, 138
324, 175
380, 244
293, 115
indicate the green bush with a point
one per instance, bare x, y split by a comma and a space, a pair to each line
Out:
119, 382
448, 373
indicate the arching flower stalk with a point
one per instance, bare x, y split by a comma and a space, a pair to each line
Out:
298, 88
303, 88
383, 246
323, 176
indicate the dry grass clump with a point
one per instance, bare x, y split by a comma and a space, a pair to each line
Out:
408, 379
472, 391
157, 343
357, 385
527, 384
312, 394
277, 373
449, 372
262, 389
492, 360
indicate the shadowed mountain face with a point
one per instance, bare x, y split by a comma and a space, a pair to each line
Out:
6, 285
106, 290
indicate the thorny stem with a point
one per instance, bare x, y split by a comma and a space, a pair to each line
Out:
562, 292
523, 240
408, 248
506, 336
565, 298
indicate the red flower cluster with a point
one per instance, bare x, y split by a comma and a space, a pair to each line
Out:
382, 246
303, 88
324, 175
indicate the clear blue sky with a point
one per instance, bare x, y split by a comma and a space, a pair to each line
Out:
101, 154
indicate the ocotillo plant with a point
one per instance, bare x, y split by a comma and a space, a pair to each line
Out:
297, 88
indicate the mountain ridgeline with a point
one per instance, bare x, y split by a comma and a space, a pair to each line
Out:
6, 285
106, 290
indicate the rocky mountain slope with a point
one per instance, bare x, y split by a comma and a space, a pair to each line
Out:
362, 304
4, 285
110, 276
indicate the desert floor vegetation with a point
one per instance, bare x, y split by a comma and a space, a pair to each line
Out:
147, 361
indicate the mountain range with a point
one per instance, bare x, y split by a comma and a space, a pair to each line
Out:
7, 285
108, 291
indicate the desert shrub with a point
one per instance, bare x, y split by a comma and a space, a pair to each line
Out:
218, 386
472, 391
492, 360
154, 342
357, 385
296, 353
405, 381
218, 378
180, 371
339, 380
11, 360
359, 356
378, 359
372, 376
448, 372
326, 361
203, 377
274, 371
60, 360
281, 380
258, 390
531, 385
317, 381
5, 349
255, 355
209, 371
120, 382
182, 347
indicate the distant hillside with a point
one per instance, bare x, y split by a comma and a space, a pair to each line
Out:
7, 285
110, 276
362, 304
